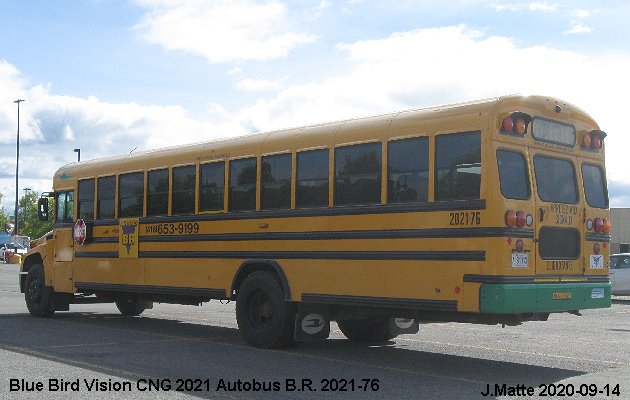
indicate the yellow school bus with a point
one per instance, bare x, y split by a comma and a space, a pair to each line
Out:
492, 212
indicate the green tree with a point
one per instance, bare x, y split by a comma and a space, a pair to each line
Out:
30, 225
4, 217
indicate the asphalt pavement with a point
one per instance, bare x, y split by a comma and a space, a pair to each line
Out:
177, 352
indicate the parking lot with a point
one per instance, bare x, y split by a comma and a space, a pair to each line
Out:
176, 352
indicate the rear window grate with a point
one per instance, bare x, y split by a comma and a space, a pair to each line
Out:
559, 243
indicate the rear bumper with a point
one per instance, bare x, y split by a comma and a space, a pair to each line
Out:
542, 297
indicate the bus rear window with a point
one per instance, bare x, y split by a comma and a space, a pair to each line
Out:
594, 186
555, 180
513, 176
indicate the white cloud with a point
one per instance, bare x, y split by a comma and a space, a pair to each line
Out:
546, 7
577, 27
508, 7
257, 85
579, 13
453, 64
221, 30
52, 126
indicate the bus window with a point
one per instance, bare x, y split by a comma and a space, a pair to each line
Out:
555, 180
85, 206
131, 195
242, 185
157, 192
65, 206
183, 196
513, 175
275, 182
458, 166
408, 170
358, 174
106, 197
312, 179
594, 186
211, 186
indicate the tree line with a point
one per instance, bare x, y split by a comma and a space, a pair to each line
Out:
29, 223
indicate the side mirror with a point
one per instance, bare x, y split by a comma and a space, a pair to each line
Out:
42, 208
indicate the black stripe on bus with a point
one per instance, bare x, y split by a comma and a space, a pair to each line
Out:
499, 279
337, 235
417, 304
305, 255
463, 205
149, 289
598, 237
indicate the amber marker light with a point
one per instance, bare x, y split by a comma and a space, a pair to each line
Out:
510, 218
607, 226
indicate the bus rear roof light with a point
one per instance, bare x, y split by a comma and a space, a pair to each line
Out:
596, 141
516, 123
586, 141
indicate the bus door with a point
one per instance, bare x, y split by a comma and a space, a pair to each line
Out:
596, 221
64, 242
559, 233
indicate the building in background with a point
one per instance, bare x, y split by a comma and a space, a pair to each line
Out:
620, 218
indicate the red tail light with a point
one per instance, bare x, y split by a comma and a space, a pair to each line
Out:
598, 225
520, 219
596, 248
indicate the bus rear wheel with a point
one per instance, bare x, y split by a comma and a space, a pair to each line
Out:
39, 297
131, 307
264, 318
366, 330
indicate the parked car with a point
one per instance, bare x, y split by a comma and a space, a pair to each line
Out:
620, 274
10, 249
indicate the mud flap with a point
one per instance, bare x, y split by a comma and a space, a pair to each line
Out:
311, 325
403, 326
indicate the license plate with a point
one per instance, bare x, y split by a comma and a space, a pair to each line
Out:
562, 296
519, 260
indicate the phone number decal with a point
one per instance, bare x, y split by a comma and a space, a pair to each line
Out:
182, 228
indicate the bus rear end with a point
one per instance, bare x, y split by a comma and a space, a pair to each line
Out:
553, 197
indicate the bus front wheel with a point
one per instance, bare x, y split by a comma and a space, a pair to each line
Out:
264, 318
366, 330
38, 296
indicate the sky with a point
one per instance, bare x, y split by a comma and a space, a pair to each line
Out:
116, 76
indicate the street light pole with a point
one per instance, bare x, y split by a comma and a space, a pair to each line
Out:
78, 151
17, 164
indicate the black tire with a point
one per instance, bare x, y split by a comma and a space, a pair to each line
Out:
366, 330
39, 297
131, 307
264, 318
